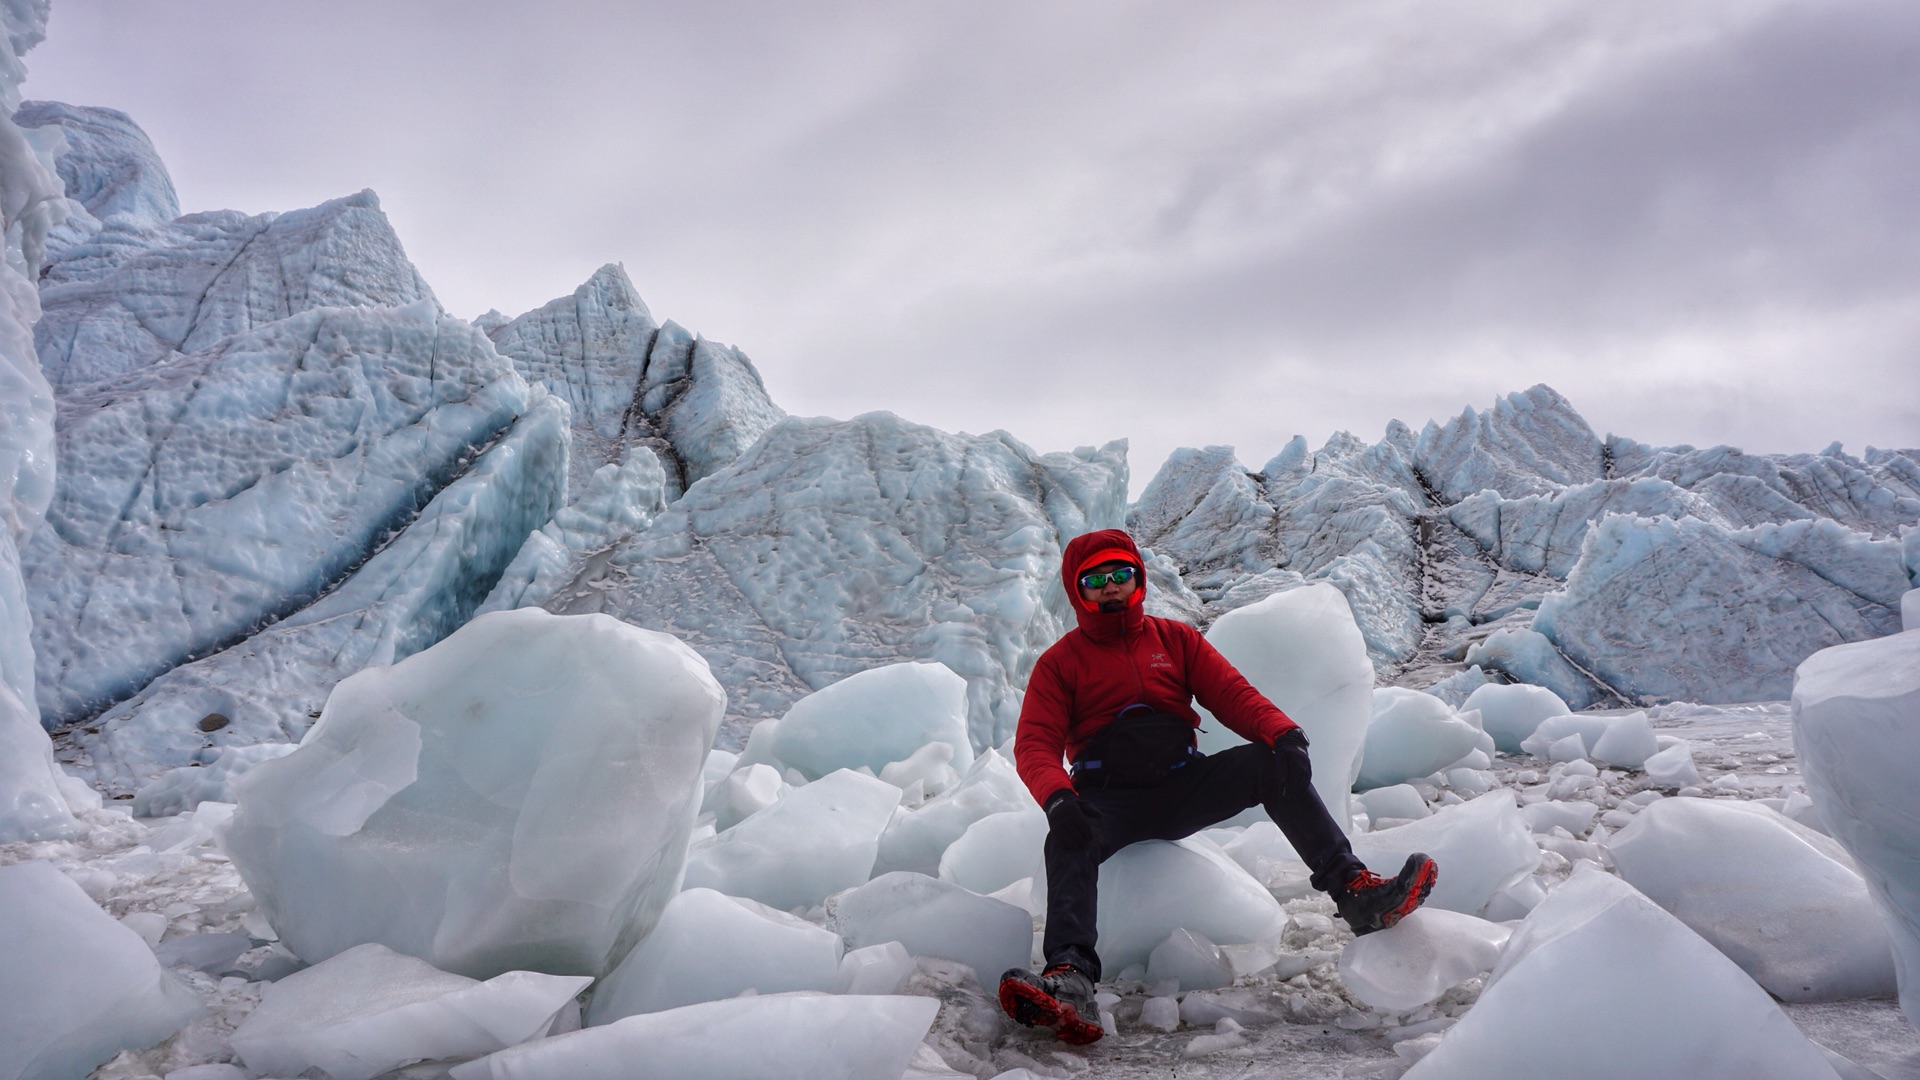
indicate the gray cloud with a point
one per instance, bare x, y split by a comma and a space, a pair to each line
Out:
1186, 225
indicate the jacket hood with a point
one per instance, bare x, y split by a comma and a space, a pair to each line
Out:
1090, 550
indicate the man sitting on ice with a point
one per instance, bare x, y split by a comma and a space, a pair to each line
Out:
1114, 697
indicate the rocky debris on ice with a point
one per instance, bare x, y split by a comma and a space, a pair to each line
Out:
1777, 898
935, 918
634, 383
370, 1010
1429, 952
1303, 649
815, 841
416, 589
803, 1036
206, 495
873, 718
518, 796
1856, 726
82, 987
831, 547
1483, 847
1618, 987
708, 946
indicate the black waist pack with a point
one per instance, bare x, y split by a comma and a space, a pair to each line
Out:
1138, 749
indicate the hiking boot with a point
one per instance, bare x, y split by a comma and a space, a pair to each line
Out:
1061, 998
1370, 902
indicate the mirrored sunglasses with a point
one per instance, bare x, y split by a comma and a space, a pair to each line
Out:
1099, 580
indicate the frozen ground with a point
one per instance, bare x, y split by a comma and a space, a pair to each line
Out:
1291, 1017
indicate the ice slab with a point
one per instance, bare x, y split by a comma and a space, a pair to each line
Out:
1426, 954
876, 969
1402, 801
1615, 986
370, 1010
708, 946
1262, 851
814, 842
1148, 890
935, 918
801, 1036
1303, 650
997, 851
1672, 767
745, 792
1511, 711
1482, 846
1190, 960
182, 789
1409, 735
1910, 610
1856, 715
873, 718
917, 839
519, 796
1779, 899
81, 987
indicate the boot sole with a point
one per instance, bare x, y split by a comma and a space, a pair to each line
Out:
1421, 885
1034, 1007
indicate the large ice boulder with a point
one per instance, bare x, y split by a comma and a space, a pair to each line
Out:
708, 946
1511, 711
370, 1010
1779, 899
815, 841
1609, 985
80, 986
1856, 726
792, 1036
1481, 846
1410, 735
1426, 954
997, 851
935, 918
1148, 890
1303, 650
518, 796
917, 839
873, 718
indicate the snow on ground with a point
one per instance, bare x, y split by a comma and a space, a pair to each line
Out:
1288, 1013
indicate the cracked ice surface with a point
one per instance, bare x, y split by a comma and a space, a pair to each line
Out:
203, 496
1517, 540
831, 547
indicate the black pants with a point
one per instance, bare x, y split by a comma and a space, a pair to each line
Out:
1205, 791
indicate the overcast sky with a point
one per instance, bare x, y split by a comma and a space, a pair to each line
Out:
1180, 223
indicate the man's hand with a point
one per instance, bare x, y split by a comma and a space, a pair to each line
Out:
1071, 817
1292, 766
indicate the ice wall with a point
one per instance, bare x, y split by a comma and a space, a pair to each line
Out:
31, 202
1516, 539
207, 495
831, 547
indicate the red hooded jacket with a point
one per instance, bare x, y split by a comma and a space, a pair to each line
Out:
1116, 659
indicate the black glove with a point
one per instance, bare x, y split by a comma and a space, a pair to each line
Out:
1293, 769
1071, 818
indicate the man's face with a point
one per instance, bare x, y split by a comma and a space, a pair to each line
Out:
1111, 594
